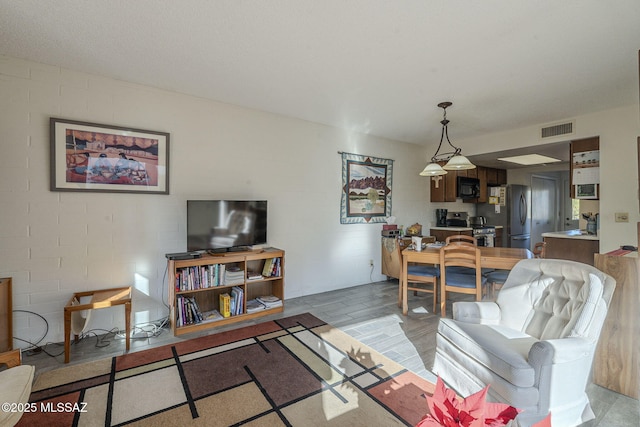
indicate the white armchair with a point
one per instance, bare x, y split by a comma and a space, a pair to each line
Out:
15, 386
534, 345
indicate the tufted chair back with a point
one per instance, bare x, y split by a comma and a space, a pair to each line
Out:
549, 299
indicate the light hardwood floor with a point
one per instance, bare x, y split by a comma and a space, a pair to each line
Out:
368, 313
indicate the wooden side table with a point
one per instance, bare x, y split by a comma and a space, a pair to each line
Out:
99, 299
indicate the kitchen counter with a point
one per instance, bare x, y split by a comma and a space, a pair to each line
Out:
571, 245
462, 228
452, 228
571, 234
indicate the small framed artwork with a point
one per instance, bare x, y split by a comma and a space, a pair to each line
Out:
98, 157
366, 189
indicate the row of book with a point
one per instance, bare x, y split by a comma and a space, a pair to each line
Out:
272, 267
208, 276
231, 304
188, 311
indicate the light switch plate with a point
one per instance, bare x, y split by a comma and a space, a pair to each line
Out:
622, 217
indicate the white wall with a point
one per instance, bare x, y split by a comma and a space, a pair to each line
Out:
57, 243
618, 130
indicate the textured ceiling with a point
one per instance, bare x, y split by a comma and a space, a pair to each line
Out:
373, 66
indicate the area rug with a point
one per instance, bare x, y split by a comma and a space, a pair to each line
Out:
296, 371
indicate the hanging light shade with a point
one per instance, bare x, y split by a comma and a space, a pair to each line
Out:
433, 169
455, 160
459, 162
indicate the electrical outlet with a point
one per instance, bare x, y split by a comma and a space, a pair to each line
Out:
622, 217
371, 262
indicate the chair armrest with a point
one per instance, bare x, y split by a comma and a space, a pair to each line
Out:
482, 312
563, 350
10, 358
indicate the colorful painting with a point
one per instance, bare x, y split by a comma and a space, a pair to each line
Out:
366, 189
95, 157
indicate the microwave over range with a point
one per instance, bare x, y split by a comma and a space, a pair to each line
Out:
468, 188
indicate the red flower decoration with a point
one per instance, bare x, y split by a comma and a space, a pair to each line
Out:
446, 410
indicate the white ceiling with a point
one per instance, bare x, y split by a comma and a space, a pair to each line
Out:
373, 66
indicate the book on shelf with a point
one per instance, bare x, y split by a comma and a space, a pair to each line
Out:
225, 305
211, 316
268, 265
233, 275
254, 305
237, 295
253, 275
202, 277
272, 267
188, 311
270, 301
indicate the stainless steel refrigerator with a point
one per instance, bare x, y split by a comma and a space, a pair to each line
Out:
514, 217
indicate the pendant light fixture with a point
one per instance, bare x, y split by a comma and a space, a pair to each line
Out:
455, 160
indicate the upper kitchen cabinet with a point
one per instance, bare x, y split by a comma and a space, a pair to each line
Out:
496, 177
584, 176
444, 188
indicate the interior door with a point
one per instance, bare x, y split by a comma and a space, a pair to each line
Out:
544, 206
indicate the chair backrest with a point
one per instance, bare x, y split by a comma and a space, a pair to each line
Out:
461, 239
550, 299
539, 250
460, 255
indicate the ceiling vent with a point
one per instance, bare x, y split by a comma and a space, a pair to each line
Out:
557, 130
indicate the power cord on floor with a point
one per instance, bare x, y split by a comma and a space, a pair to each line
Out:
146, 330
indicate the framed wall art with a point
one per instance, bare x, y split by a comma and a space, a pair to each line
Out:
98, 157
366, 189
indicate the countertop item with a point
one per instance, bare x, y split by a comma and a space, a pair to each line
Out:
571, 234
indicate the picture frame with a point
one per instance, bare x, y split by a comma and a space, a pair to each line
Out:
106, 158
366, 189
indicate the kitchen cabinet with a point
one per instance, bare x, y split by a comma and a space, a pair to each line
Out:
579, 146
444, 188
441, 235
571, 245
496, 176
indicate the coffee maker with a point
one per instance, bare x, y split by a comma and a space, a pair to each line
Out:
441, 217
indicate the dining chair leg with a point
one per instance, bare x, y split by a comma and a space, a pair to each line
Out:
435, 295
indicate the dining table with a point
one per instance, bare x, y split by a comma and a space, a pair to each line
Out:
490, 257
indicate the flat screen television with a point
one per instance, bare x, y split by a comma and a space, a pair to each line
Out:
226, 225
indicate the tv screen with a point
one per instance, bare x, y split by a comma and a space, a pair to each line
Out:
222, 225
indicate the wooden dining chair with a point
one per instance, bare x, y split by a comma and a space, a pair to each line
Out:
497, 278
461, 239
420, 278
539, 250
460, 255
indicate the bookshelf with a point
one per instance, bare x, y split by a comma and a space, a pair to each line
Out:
198, 287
